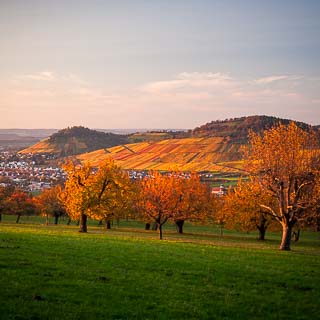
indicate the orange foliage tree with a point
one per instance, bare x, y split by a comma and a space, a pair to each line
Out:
99, 193
193, 202
171, 197
158, 198
111, 193
242, 210
5, 192
286, 162
49, 203
76, 196
20, 203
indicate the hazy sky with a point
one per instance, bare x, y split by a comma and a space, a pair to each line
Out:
157, 63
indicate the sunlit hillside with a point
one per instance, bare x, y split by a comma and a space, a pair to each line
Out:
216, 154
43, 146
76, 140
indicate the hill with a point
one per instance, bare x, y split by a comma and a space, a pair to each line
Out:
14, 141
238, 128
76, 140
17, 139
214, 147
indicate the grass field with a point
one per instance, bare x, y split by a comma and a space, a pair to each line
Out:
53, 272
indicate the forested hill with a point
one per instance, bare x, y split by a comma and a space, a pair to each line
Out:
76, 140
238, 128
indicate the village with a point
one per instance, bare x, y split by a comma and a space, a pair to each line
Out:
28, 172
34, 173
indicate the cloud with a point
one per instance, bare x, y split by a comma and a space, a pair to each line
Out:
271, 79
189, 81
38, 76
185, 100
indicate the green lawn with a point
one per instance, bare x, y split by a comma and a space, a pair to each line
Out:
54, 272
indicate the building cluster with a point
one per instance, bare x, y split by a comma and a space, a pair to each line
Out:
26, 172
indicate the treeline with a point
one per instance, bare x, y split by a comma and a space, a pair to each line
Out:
238, 128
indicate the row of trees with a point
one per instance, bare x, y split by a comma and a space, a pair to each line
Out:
282, 190
107, 193
14, 201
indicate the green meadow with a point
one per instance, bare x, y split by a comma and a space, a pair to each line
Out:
54, 272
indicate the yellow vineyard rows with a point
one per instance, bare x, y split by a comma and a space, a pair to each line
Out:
191, 154
41, 147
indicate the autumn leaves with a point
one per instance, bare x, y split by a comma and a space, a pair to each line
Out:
100, 194
107, 193
173, 197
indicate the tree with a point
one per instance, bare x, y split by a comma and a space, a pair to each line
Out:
111, 193
5, 193
242, 208
158, 198
192, 204
216, 213
76, 196
49, 203
99, 193
285, 161
20, 203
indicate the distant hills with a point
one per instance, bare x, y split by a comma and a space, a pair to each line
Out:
16, 139
35, 133
215, 146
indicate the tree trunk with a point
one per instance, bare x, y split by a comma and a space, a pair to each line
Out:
155, 226
0, 217
100, 223
108, 224
147, 226
69, 222
18, 218
262, 232
160, 231
83, 223
56, 219
221, 230
286, 237
47, 219
179, 226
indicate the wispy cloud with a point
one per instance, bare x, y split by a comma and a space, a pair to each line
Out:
189, 80
184, 100
271, 79
38, 76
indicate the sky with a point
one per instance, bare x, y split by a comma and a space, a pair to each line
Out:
157, 63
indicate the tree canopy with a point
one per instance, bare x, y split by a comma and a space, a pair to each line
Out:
285, 161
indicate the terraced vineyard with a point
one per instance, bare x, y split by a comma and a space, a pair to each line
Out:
215, 154
43, 146
70, 147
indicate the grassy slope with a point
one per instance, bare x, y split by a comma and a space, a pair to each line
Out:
57, 273
214, 154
